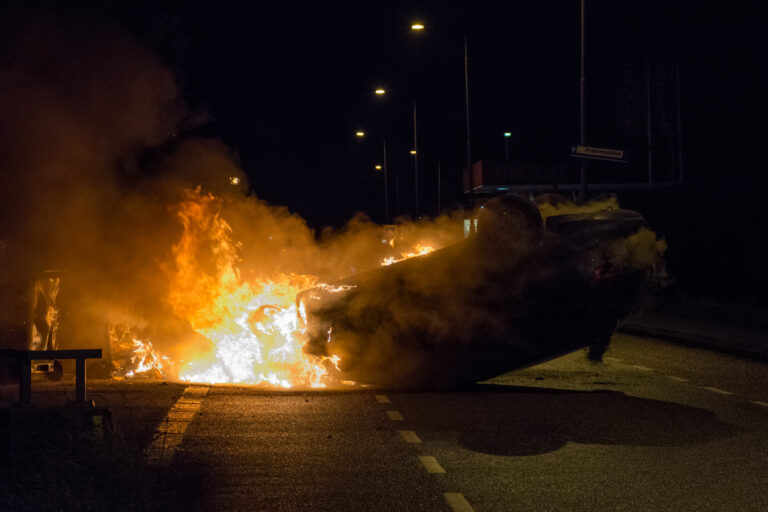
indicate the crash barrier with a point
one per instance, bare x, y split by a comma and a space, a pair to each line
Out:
25, 358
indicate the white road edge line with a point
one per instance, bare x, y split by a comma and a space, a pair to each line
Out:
758, 402
458, 502
678, 379
409, 436
395, 415
641, 367
171, 429
382, 399
717, 390
431, 465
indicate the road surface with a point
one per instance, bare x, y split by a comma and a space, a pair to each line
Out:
655, 427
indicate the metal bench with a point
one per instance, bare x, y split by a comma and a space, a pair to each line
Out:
25, 358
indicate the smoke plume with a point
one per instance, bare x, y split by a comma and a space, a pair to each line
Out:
95, 171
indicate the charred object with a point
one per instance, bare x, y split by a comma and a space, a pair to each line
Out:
30, 317
516, 292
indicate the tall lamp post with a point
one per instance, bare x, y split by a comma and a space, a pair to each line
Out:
419, 27
386, 182
582, 112
415, 153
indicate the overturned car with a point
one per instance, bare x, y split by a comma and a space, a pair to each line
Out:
518, 291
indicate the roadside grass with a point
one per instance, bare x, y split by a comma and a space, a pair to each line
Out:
62, 460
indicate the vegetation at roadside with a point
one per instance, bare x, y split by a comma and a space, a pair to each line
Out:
69, 459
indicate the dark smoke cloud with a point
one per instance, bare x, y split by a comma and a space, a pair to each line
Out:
81, 104
94, 168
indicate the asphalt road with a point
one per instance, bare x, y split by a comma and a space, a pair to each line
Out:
656, 427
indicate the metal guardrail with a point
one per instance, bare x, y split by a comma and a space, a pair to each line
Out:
25, 358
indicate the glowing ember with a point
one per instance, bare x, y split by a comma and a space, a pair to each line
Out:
419, 250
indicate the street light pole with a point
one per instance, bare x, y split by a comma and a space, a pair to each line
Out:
386, 183
439, 189
420, 27
466, 103
582, 113
397, 192
415, 158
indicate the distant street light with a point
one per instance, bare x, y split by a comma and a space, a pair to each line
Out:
360, 133
234, 180
380, 91
377, 167
507, 135
413, 151
417, 26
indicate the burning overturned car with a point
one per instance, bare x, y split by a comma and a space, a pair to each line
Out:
530, 284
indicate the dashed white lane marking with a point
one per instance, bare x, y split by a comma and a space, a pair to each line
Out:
458, 502
717, 390
613, 359
409, 436
431, 464
758, 402
641, 367
678, 379
395, 415
382, 399
170, 432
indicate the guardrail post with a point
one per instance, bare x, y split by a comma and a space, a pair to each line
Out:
25, 381
80, 380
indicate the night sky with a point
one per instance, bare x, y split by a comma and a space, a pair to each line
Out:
287, 84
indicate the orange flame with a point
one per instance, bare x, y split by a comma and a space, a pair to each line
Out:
146, 359
418, 250
253, 325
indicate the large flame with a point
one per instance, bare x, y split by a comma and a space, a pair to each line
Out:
252, 325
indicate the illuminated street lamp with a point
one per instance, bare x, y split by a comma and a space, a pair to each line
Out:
234, 180
419, 27
413, 151
360, 134
377, 167
380, 91
507, 135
